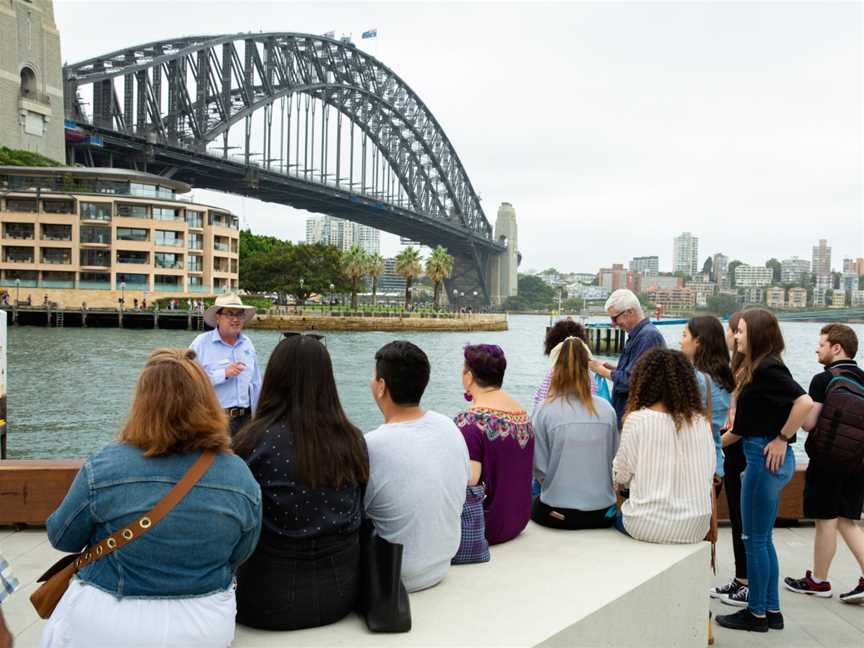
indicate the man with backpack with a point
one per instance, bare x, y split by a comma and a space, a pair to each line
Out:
834, 483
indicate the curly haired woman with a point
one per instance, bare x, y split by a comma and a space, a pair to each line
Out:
667, 456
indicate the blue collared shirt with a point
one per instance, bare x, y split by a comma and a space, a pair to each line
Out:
214, 355
643, 337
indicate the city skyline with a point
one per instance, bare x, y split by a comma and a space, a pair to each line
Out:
690, 124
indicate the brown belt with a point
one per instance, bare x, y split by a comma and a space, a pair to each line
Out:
236, 412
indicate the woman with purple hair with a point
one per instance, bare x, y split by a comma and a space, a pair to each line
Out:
500, 442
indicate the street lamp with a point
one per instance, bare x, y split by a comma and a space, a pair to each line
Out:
331, 296
455, 298
122, 294
302, 294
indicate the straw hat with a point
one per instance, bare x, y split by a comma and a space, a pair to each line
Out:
227, 301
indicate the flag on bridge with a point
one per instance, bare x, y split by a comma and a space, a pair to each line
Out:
372, 33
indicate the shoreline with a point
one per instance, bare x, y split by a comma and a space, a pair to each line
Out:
302, 322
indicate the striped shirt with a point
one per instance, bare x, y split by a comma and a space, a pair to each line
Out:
669, 473
8, 583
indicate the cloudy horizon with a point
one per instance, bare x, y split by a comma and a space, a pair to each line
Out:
738, 122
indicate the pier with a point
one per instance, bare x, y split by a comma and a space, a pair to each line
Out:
48, 316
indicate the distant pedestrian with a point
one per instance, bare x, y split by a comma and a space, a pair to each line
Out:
626, 313
135, 303
770, 407
833, 494
29, 300
143, 304
45, 301
228, 356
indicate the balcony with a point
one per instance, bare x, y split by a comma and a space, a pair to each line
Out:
94, 285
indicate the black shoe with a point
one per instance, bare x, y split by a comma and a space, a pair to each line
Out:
856, 595
775, 620
723, 591
743, 620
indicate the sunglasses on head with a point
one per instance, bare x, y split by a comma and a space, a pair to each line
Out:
315, 336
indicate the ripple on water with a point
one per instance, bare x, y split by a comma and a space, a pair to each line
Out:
70, 389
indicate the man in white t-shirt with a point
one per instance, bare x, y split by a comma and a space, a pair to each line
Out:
418, 468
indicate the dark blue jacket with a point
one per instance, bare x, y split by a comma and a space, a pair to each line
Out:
643, 337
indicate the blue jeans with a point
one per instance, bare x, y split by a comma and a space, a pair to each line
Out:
760, 497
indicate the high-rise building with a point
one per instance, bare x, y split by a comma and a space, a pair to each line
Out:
824, 283
685, 254
645, 264
747, 276
797, 298
613, 278
342, 234
31, 82
720, 268
822, 258
794, 270
390, 281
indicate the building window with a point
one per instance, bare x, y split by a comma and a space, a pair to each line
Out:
21, 231
134, 280
25, 205
58, 206
95, 258
93, 234
196, 241
60, 256
165, 214
57, 280
194, 218
132, 234
95, 211
221, 243
196, 281
133, 211
220, 264
133, 256
168, 283
51, 232
94, 280
16, 254
235, 245
168, 260
234, 266
169, 237
195, 263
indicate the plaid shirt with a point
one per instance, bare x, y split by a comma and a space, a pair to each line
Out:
8, 582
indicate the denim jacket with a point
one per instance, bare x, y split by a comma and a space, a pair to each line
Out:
193, 551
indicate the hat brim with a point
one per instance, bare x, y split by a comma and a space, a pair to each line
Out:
210, 314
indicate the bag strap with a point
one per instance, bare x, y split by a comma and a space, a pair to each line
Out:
128, 534
708, 395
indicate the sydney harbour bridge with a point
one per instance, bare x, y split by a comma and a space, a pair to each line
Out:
297, 119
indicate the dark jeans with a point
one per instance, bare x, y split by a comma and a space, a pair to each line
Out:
556, 517
293, 584
619, 524
733, 465
237, 422
760, 498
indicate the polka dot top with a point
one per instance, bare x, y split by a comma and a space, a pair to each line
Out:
291, 508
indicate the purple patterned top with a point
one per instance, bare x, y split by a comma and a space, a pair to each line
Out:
504, 443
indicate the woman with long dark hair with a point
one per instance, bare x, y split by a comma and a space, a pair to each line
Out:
666, 457
770, 407
575, 439
312, 465
704, 344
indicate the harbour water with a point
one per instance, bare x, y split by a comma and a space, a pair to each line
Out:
69, 390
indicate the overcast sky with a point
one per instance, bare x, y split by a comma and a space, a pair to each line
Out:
611, 127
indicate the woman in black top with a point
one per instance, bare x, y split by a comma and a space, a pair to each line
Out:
770, 407
312, 465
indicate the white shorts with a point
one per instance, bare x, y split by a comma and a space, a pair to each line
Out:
87, 617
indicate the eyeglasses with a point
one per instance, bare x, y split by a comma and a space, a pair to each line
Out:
231, 314
315, 336
614, 318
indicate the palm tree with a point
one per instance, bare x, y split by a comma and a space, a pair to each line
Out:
439, 265
374, 268
354, 262
408, 264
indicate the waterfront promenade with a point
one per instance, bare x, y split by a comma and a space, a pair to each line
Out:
541, 584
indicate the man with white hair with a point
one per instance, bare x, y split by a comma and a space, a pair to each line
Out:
626, 313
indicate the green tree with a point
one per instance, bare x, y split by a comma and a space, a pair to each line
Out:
731, 270
776, 266
409, 265
254, 243
284, 265
722, 304
375, 268
439, 265
533, 294
354, 264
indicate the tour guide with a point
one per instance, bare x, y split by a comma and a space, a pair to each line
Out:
229, 358
626, 313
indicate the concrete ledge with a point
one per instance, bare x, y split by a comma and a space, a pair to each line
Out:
547, 588
475, 322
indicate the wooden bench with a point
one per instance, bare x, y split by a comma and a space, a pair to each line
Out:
30, 489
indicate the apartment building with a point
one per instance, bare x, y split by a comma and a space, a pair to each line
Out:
93, 235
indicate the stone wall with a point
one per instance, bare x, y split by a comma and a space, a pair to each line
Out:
330, 323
